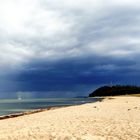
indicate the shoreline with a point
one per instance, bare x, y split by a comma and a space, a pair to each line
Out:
14, 115
2, 117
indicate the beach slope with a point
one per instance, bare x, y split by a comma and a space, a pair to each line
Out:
116, 118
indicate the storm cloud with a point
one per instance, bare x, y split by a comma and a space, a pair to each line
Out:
68, 46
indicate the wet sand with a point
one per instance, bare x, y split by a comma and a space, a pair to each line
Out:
116, 118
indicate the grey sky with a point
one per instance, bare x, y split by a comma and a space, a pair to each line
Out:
102, 35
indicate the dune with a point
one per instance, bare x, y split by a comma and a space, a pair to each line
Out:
116, 118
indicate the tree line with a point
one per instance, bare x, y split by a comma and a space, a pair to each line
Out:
115, 90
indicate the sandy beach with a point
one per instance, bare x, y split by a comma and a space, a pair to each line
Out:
111, 119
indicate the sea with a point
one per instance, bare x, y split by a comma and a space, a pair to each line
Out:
13, 106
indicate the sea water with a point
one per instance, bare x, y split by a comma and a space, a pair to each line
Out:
12, 106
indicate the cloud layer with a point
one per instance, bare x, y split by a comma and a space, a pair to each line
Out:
68, 44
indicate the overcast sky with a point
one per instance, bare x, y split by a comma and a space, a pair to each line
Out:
68, 46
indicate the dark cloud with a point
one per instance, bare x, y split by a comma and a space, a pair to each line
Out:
75, 75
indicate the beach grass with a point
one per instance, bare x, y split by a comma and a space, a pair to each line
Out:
137, 95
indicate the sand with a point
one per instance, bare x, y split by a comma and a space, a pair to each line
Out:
111, 119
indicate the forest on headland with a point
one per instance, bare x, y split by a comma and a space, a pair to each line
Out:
115, 90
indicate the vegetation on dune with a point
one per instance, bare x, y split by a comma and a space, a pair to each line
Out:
115, 90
